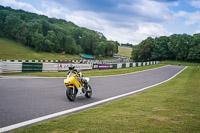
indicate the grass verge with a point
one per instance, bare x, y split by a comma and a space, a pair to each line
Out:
170, 107
182, 63
88, 73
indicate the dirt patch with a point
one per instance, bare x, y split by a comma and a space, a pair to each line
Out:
160, 118
160, 109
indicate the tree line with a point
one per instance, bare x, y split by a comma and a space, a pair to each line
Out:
52, 35
126, 45
181, 47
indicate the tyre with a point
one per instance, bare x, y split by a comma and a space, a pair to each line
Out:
88, 92
70, 95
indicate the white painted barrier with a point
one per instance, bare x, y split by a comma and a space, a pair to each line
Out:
50, 67
11, 67
119, 66
127, 65
1, 63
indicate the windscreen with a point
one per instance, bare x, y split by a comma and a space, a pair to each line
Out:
70, 74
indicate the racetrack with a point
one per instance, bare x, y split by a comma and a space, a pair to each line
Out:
24, 99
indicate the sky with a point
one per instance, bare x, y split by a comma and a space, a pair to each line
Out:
125, 21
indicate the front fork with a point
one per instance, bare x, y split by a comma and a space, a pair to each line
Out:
73, 89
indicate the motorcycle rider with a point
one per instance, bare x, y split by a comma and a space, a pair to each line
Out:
75, 71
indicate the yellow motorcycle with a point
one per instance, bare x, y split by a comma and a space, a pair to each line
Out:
77, 86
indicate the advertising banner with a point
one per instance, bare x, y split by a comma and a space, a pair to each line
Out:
102, 66
63, 67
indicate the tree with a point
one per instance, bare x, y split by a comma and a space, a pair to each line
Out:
145, 49
22, 34
100, 49
70, 45
160, 50
38, 40
11, 25
55, 47
179, 45
194, 50
136, 53
110, 48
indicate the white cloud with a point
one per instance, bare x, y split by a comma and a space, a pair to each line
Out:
191, 17
152, 29
149, 10
20, 5
198, 30
195, 3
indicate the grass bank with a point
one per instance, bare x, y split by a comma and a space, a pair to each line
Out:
170, 107
88, 73
10, 50
124, 51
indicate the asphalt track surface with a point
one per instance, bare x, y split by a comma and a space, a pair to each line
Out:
23, 99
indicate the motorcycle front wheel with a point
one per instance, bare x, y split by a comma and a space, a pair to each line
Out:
70, 95
88, 92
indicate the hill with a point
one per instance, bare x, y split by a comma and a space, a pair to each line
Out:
125, 51
10, 50
52, 35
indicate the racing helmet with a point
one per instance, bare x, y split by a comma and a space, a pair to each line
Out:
71, 67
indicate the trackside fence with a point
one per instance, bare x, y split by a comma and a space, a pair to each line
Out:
17, 67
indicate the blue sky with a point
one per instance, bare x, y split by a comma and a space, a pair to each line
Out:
125, 21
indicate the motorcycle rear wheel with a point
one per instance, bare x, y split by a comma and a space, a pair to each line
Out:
70, 95
88, 92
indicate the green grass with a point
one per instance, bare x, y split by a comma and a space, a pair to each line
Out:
182, 63
170, 107
10, 50
124, 51
89, 72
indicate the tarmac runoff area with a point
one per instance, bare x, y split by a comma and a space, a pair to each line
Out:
28, 100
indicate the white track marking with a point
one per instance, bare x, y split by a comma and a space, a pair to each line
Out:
26, 123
